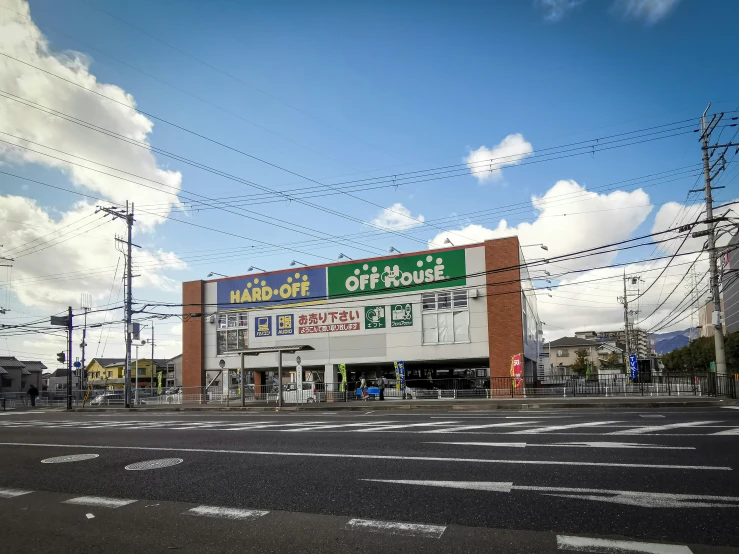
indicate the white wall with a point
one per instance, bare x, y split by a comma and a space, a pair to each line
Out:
363, 345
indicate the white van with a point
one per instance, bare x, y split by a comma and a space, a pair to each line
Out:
312, 392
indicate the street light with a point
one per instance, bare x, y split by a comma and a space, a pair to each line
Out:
447, 241
136, 397
214, 273
543, 247
393, 249
253, 267
342, 256
294, 262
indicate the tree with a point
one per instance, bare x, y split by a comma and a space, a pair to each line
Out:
581, 363
698, 355
611, 362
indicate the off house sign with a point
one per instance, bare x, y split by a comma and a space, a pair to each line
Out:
418, 272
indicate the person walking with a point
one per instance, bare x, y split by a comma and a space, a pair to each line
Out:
381, 386
363, 387
32, 394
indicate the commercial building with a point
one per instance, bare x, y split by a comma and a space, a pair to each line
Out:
455, 312
639, 342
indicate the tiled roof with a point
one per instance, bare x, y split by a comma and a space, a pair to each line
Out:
34, 366
572, 341
9, 362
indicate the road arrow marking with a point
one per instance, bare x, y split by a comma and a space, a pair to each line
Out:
630, 498
490, 486
608, 546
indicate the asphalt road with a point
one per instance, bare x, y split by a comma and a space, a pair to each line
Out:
525, 481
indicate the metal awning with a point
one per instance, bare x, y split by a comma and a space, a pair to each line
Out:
290, 349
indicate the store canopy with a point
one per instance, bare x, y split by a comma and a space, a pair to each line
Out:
289, 349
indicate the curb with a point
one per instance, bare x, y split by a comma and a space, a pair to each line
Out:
504, 405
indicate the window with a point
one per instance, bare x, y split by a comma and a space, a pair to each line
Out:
142, 372
233, 332
446, 317
110, 374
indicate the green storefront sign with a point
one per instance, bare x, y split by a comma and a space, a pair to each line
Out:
374, 317
405, 274
401, 315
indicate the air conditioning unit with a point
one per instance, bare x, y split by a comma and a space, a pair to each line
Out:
473, 293
211, 318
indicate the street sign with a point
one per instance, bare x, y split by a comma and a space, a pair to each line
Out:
61, 320
297, 360
77, 364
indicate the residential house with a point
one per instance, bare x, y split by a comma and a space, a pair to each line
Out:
58, 380
174, 372
18, 376
563, 354
112, 375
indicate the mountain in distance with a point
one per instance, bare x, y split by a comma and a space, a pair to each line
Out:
667, 342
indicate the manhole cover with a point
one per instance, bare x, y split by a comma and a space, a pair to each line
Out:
70, 458
154, 464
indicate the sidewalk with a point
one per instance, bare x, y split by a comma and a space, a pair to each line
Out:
640, 402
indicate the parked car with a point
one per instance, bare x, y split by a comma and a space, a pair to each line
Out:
310, 393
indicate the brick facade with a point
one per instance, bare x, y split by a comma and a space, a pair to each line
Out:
193, 374
505, 334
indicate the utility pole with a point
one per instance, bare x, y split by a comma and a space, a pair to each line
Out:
127, 216
151, 365
86, 305
718, 334
625, 301
69, 358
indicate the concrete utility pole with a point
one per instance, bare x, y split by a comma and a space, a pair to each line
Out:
718, 334
86, 305
128, 312
69, 358
625, 301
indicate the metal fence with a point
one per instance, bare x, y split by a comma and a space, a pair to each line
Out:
692, 385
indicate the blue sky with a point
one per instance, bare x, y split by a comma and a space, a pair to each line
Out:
337, 91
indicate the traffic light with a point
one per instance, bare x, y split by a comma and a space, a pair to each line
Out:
61, 357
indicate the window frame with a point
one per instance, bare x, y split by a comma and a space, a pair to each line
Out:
453, 302
232, 332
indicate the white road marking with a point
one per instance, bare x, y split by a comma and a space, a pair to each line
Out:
90, 516
485, 426
100, 501
12, 493
627, 445
734, 431
226, 513
651, 416
70, 458
154, 464
490, 486
562, 427
630, 498
608, 546
313, 427
397, 528
366, 456
654, 428
730, 407
376, 428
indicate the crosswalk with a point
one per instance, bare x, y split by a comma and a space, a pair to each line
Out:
534, 426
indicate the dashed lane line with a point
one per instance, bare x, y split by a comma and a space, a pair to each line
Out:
99, 501
226, 513
397, 528
608, 546
538, 430
12, 493
484, 426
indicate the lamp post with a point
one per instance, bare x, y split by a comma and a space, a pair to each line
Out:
447, 241
253, 267
214, 273
296, 262
342, 256
136, 397
393, 249
543, 247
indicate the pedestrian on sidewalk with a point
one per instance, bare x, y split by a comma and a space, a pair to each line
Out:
32, 394
363, 387
381, 386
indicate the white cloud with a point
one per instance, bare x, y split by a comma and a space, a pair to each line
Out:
87, 253
21, 39
649, 11
397, 217
564, 226
486, 163
554, 10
